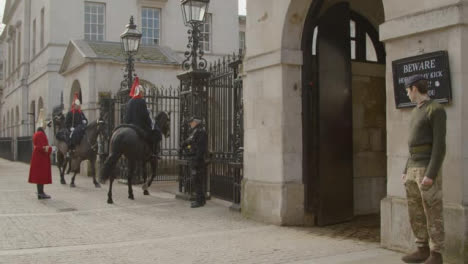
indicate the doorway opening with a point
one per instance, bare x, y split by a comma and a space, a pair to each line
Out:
344, 115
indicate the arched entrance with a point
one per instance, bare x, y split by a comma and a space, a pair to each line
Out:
343, 74
76, 89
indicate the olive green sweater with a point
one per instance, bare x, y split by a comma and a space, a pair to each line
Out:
427, 138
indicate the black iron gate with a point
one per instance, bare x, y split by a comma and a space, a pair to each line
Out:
157, 99
24, 148
6, 148
219, 103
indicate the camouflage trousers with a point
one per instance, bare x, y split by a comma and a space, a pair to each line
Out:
425, 209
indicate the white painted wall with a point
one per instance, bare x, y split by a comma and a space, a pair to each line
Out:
64, 21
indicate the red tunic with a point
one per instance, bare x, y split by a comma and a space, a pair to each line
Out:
40, 171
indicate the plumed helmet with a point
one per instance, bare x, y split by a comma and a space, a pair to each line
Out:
41, 119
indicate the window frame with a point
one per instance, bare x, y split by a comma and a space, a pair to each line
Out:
34, 29
89, 35
42, 38
210, 33
242, 40
147, 28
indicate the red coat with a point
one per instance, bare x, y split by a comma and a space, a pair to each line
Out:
40, 171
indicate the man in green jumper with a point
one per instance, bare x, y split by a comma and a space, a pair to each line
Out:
421, 175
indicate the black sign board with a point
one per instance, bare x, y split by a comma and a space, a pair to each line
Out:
434, 66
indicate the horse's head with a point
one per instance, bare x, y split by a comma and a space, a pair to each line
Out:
163, 120
103, 126
58, 120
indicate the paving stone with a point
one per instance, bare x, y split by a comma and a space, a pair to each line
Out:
78, 226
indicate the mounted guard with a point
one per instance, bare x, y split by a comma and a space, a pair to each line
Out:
76, 123
137, 114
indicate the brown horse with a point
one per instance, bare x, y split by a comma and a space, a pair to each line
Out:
86, 150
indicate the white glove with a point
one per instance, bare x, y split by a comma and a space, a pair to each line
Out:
72, 129
84, 122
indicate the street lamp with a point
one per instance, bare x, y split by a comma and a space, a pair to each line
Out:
194, 13
130, 40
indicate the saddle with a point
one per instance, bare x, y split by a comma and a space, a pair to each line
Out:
140, 132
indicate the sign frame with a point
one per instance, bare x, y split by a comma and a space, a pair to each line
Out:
438, 76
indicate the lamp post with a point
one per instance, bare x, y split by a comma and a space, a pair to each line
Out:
194, 82
130, 40
194, 13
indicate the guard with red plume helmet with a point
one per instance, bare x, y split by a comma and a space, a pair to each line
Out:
75, 122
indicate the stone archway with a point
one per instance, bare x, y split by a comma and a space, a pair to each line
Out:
76, 89
274, 185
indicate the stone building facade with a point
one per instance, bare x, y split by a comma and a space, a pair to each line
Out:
324, 141
40, 34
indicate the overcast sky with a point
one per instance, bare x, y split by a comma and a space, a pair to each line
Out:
241, 7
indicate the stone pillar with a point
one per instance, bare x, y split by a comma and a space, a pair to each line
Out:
414, 28
272, 188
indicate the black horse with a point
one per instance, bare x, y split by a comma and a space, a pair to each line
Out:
126, 140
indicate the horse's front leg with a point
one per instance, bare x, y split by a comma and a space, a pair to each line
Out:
131, 171
109, 194
60, 165
93, 171
69, 162
72, 184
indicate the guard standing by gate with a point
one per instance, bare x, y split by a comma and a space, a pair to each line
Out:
196, 147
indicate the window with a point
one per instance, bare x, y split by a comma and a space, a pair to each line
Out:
242, 40
18, 62
205, 34
364, 43
352, 33
94, 21
13, 53
42, 28
150, 25
34, 38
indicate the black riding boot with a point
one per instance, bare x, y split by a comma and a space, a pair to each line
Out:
199, 202
40, 192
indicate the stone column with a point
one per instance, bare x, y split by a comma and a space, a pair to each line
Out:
414, 28
272, 189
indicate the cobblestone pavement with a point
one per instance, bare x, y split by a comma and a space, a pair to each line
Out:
78, 226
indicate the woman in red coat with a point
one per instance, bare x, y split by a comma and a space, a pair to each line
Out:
40, 171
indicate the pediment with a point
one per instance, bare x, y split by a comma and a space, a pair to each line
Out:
72, 59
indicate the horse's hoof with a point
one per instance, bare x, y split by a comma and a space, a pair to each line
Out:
131, 197
109, 201
72, 185
97, 185
62, 181
145, 192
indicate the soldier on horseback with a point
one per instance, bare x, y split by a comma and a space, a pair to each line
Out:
76, 123
137, 114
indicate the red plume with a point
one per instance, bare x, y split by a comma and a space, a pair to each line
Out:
73, 104
136, 83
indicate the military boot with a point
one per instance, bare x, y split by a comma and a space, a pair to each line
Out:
42, 196
435, 258
419, 256
199, 202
